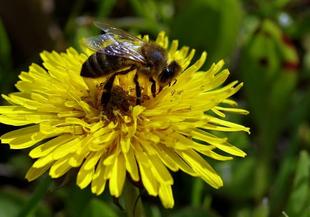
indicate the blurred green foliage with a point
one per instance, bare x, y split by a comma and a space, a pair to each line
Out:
265, 43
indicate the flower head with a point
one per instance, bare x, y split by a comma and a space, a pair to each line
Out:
67, 127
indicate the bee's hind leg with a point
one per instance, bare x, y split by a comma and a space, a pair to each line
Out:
107, 90
138, 89
109, 85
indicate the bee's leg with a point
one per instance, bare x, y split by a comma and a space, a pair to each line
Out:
153, 86
109, 85
138, 89
174, 82
107, 90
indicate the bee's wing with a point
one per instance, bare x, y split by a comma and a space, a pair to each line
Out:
126, 50
108, 29
113, 45
97, 43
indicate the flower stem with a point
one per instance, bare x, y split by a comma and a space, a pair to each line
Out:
38, 194
197, 192
133, 203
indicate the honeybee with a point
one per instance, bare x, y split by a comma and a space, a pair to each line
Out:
118, 52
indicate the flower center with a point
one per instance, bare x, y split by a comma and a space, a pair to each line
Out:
119, 100
122, 96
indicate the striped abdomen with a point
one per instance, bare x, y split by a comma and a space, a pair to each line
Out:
100, 64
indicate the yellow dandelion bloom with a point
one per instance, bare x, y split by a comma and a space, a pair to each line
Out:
65, 127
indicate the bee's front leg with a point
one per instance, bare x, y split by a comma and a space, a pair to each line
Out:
153, 86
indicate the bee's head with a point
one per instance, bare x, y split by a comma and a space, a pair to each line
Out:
156, 57
169, 73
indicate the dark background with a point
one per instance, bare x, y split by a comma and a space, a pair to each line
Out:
265, 44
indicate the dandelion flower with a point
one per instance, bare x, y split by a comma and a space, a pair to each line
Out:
66, 128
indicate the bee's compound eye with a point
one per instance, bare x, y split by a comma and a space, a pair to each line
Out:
166, 75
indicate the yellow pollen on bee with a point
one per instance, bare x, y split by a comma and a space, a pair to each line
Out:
126, 82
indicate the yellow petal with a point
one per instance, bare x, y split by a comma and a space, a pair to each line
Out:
8, 137
59, 168
66, 148
84, 176
215, 155
49, 146
160, 171
14, 110
23, 142
165, 195
148, 179
167, 161
14, 121
92, 160
43, 161
178, 161
99, 182
202, 168
222, 145
118, 175
34, 173
131, 165
125, 144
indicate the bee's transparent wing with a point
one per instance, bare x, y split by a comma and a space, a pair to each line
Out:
110, 46
117, 43
99, 42
121, 34
126, 50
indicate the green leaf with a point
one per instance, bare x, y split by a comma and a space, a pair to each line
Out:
5, 48
229, 28
307, 63
8, 206
268, 85
197, 191
278, 194
145, 8
238, 175
77, 201
13, 201
281, 3
207, 25
306, 211
98, 208
105, 8
262, 210
33, 202
299, 199
245, 212
193, 212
